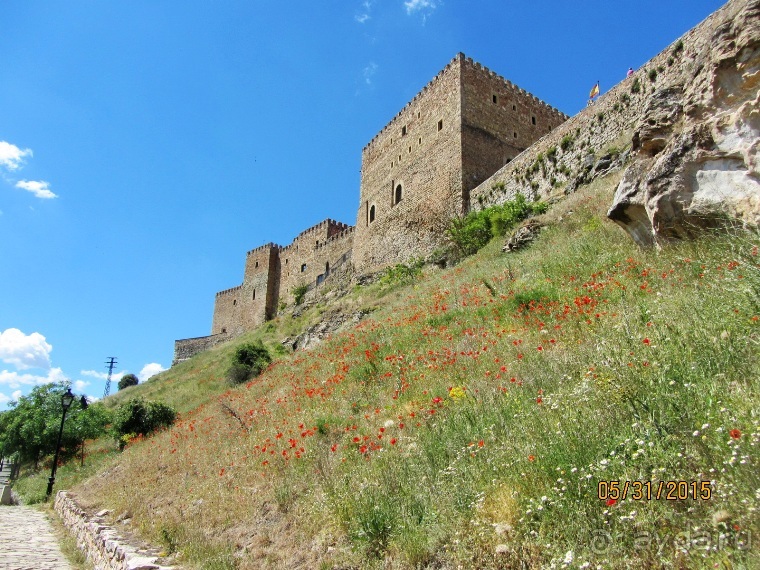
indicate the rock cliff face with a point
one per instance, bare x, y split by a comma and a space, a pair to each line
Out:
695, 156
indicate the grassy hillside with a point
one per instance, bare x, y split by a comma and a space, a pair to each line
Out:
469, 420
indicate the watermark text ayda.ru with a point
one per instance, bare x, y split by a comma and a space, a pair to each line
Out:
693, 540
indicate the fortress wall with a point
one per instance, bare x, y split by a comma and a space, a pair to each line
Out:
595, 128
419, 149
313, 248
499, 120
226, 312
187, 347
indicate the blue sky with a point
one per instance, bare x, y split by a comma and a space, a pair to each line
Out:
145, 146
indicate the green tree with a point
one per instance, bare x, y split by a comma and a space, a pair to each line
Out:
128, 380
30, 427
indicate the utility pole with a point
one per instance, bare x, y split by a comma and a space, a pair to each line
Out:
111, 363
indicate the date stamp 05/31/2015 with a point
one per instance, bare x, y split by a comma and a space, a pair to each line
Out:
654, 491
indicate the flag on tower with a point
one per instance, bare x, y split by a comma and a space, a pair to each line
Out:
594, 91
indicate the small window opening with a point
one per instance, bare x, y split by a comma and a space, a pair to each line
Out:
514, 107
507, 160
254, 294
533, 120
418, 114
410, 150
257, 264
397, 194
440, 124
224, 330
419, 141
303, 267
495, 99
327, 268
286, 261
234, 302
372, 213
317, 243
514, 134
399, 158
403, 131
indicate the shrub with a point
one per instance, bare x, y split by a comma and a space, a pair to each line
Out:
471, 232
652, 75
248, 362
299, 292
128, 380
138, 416
566, 142
636, 85
678, 47
401, 273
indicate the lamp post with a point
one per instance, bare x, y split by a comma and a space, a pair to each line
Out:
66, 401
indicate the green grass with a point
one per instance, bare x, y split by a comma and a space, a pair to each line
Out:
468, 421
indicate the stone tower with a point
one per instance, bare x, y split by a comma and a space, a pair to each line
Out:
418, 171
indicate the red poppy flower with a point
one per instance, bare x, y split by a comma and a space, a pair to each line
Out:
481, 443
610, 502
393, 441
531, 458
646, 341
735, 434
539, 400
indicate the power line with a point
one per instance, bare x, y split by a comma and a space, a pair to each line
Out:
111, 363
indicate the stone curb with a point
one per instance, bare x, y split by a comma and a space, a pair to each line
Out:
102, 544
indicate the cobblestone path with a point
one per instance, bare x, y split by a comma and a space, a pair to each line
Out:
27, 541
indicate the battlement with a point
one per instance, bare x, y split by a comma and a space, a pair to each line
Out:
261, 248
456, 59
229, 291
347, 232
461, 60
512, 87
328, 224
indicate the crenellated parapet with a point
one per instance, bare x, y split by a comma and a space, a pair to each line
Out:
230, 291
346, 233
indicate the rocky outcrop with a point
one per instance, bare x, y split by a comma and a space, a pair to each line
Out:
522, 236
696, 148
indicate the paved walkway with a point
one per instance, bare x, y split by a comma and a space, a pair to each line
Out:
27, 541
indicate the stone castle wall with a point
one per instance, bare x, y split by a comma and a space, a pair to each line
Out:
418, 150
499, 121
456, 132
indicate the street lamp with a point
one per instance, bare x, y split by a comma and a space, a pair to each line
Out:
66, 401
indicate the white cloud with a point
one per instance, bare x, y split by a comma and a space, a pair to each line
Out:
4, 399
364, 15
17, 394
80, 385
24, 351
39, 188
150, 370
16, 380
424, 6
11, 156
369, 72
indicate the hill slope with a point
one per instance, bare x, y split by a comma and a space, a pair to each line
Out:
470, 419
